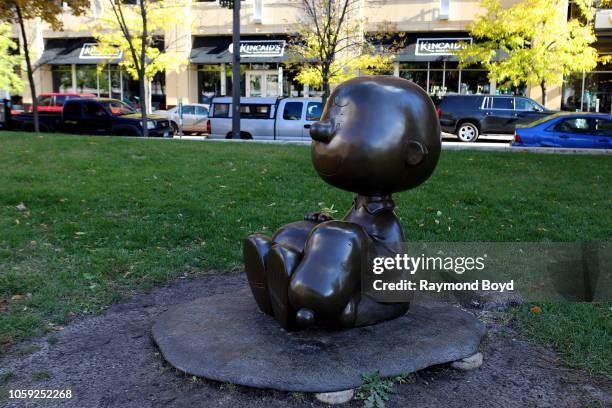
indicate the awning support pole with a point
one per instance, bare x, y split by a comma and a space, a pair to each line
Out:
74, 78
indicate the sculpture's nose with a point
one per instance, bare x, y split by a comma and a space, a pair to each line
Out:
321, 131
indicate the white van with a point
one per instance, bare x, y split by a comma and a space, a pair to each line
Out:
265, 118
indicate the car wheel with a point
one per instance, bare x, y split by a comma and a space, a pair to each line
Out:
468, 132
175, 129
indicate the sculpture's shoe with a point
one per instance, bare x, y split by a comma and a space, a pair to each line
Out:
349, 314
305, 318
255, 251
282, 261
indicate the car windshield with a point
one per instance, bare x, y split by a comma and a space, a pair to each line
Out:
118, 108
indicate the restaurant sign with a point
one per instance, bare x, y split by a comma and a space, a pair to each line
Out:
440, 46
94, 51
259, 49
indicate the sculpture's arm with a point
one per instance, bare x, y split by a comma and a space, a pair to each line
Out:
318, 217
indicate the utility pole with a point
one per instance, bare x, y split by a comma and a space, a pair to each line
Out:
235, 6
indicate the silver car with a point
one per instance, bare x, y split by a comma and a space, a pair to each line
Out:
265, 118
195, 116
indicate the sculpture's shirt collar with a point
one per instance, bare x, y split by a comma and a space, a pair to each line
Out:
374, 204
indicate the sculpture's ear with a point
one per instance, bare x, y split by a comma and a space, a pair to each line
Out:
414, 152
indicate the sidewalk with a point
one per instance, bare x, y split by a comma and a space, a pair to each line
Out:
446, 145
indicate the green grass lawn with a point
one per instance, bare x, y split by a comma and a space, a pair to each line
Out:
108, 215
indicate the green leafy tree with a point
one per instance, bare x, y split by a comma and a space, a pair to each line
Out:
10, 80
541, 44
49, 11
135, 30
331, 47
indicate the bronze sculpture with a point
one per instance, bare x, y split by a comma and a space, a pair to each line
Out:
377, 136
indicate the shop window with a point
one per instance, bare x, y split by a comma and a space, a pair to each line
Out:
87, 79
474, 82
451, 81
313, 110
293, 111
418, 77
597, 92
572, 93
257, 11
61, 78
221, 110
408, 66
436, 86
444, 9
209, 82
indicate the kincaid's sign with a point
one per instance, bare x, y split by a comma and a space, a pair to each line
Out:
440, 46
94, 51
264, 48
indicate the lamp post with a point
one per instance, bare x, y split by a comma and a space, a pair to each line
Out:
235, 6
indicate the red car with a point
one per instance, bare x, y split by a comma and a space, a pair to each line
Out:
54, 102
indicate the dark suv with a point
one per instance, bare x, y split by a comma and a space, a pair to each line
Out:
469, 116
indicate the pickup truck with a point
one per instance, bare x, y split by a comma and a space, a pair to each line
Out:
265, 118
97, 116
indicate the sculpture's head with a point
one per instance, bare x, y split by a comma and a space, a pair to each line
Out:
377, 135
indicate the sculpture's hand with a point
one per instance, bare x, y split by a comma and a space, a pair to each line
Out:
317, 217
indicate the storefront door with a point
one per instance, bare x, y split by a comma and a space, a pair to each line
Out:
262, 83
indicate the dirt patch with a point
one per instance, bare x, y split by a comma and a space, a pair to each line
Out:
110, 361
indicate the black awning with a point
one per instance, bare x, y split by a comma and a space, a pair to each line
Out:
215, 50
60, 51
435, 46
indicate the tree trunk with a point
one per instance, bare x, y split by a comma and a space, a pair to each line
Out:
543, 87
143, 103
325, 84
26, 51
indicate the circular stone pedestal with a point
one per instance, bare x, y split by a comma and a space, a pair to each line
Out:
226, 338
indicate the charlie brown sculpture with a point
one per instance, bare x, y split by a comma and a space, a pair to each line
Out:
377, 135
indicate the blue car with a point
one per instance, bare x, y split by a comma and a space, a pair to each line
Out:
567, 129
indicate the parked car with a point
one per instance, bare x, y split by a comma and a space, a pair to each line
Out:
265, 118
469, 116
195, 116
567, 129
98, 116
54, 102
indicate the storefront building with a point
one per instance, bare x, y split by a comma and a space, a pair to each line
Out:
592, 91
68, 62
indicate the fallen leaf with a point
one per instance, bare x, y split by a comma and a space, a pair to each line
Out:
536, 310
